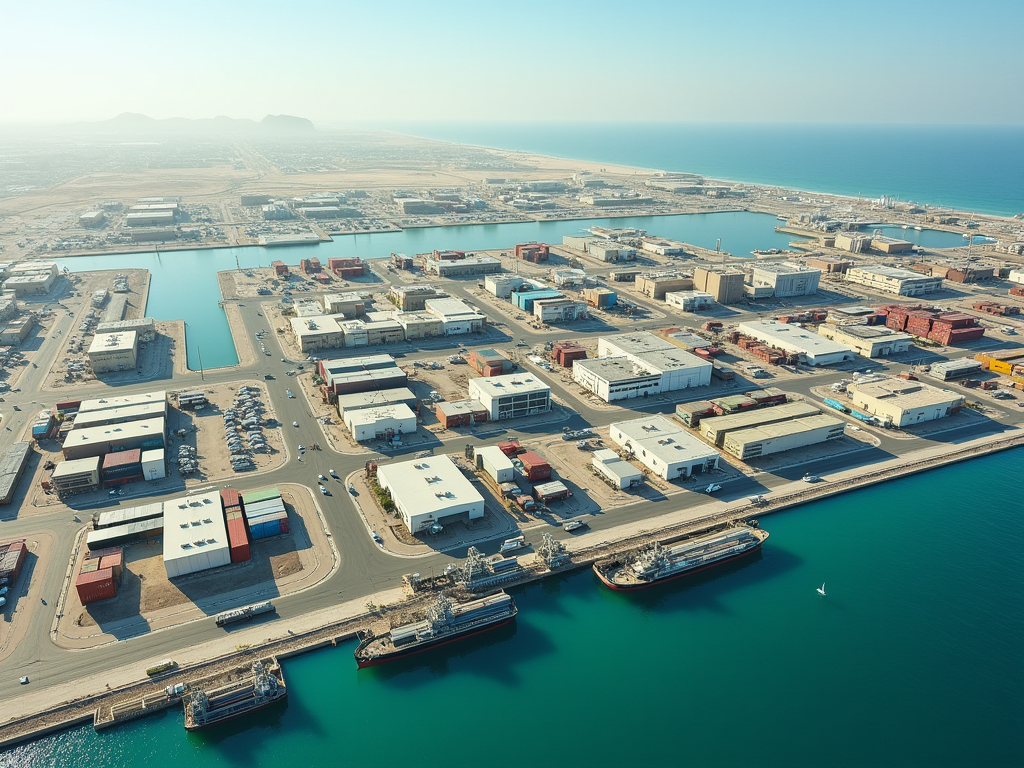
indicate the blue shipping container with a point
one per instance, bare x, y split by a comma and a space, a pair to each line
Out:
263, 530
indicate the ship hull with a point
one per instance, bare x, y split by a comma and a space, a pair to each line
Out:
665, 579
240, 713
431, 644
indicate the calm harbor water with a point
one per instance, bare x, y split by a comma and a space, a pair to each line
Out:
913, 659
184, 284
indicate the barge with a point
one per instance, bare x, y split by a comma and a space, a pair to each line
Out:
218, 705
659, 563
446, 622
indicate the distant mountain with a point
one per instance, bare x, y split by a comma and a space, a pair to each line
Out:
134, 123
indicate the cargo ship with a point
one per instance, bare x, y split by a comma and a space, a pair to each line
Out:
658, 563
446, 622
218, 705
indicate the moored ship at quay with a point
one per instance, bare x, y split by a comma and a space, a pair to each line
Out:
446, 622
659, 563
265, 686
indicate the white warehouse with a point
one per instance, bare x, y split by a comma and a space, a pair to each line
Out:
619, 473
195, 534
664, 447
380, 422
495, 463
811, 348
638, 365
431, 490
786, 279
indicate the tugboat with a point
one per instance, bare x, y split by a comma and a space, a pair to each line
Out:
446, 622
659, 563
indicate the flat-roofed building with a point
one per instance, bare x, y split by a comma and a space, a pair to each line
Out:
77, 476
829, 263
140, 412
502, 285
689, 301
901, 403
420, 325
195, 535
347, 304
618, 472
559, 310
361, 374
97, 441
511, 396
144, 326
852, 242
902, 282
460, 413
457, 316
717, 428
724, 283
665, 448
29, 285
785, 278
114, 352
657, 285
92, 219
15, 331
637, 365
380, 422
766, 439
430, 490
808, 346
318, 332
477, 265
868, 340
149, 218
360, 400
412, 298
123, 401
891, 244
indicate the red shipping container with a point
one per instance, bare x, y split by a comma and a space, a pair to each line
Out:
534, 466
230, 497
238, 540
285, 525
98, 585
67, 406
509, 447
118, 458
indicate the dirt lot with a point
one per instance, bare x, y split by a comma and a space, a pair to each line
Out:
146, 592
205, 431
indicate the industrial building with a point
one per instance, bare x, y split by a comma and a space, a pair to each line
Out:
902, 282
478, 265
618, 472
420, 325
901, 403
456, 316
785, 279
361, 374
195, 534
30, 284
559, 310
380, 422
12, 466
123, 401
829, 264
114, 352
949, 370
460, 413
567, 278
766, 439
144, 326
808, 346
524, 299
689, 301
511, 396
430, 491
412, 298
92, 218
610, 251
360, 400
137, 412
891, 244
716, 428
724, 283
602, 298
77, 476
149, 218
638, 365
347, 304
97, 441
318, 332
15, 331
667, 449
867, 340
852, 242
657, 284
495, 463
502, 285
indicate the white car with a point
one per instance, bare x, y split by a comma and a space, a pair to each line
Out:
333, 474
712, 488
295, 423
321, 478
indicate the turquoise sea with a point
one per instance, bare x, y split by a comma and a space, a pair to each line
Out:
973, 168
913, 659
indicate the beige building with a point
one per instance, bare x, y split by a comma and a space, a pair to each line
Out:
16, 331
900, 403
420, 325
412, 298
657, 285
347, 304
902, 282
725, 284
320, 332
868, 340
114, 352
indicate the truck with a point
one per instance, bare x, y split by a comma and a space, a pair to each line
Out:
164, 666
247, 613
511, 545
525, 503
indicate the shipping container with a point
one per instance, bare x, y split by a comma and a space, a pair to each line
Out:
230, 498
67, 406
546, 492
238, 540
268, 517
509, 447
534, 467
98, 585
119, 458
153, 465
269, 528
116, 481
114, 562
261, 507
12, 558
89, 566
254, 496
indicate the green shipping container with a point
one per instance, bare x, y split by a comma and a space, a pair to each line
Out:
267, 493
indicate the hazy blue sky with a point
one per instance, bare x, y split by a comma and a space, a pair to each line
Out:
711, 60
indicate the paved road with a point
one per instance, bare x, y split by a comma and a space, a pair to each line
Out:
364, 568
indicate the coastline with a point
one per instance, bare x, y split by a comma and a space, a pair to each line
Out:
348, 617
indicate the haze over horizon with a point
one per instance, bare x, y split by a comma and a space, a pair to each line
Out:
347, 63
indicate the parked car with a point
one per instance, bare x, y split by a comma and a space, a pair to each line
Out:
289, 393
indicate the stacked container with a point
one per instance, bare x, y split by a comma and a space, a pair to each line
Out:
534, 467
265, 513
122, 467
691, 413
96, 585
238, 536
12, 557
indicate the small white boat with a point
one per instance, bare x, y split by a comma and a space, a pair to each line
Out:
821, 589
